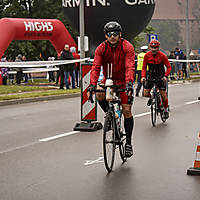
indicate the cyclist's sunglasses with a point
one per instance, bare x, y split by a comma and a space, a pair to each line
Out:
114, 33
154, 46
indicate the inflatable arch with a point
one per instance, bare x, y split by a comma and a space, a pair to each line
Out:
34, 29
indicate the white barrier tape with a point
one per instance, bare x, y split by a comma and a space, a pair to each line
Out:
40, 63
34, 71
174, 60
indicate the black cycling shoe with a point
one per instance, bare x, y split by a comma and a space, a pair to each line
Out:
166, 114
128, 150
149, 102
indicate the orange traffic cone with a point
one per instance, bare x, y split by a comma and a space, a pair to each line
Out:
196, 169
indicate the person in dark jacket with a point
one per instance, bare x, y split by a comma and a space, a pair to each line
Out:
19, 75
184, 68
4, 71
77, 65
68, 68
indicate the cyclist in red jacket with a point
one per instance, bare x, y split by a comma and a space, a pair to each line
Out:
156, 60
120, 54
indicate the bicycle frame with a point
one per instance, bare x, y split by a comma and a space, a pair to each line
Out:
113, 138
156, 104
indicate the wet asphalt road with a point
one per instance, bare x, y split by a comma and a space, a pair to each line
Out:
36, 165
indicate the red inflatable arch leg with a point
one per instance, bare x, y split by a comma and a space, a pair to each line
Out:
34, 29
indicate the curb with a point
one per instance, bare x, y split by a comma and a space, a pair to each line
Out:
36, 99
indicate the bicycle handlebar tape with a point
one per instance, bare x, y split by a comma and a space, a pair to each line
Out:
88, 109
196, 169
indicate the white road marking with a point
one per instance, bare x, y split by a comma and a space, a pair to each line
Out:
88, 162
91, 162
142, 114
58, 136
19, 147
191, 102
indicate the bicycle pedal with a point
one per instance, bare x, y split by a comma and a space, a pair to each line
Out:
117, 142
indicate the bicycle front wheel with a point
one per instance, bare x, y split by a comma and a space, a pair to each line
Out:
153, 111
122, 147
109, 142
122, 136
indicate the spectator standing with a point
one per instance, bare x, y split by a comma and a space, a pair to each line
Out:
50, 73
19, 75
60, 71
179, 56
26, 69
172, 56
68, 68
140, 59
4, 71
184, 68
77, 69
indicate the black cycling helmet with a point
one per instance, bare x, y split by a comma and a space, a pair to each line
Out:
112, 26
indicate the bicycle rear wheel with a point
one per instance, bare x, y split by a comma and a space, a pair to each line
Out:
109, 142
162, 114
153, 111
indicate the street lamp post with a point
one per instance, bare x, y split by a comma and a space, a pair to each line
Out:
82, 28
187, 28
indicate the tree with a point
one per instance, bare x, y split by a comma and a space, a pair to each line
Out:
168, 33
142, 38
46, 9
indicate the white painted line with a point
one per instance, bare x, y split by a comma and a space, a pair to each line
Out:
191, 102
18, 148
58, 136
143, 114
91, 162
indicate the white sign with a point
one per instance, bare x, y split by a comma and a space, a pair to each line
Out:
38, 26
88, 3
86, 43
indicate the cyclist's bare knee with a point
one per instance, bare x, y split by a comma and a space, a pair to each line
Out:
163, 94
100, 95
126, 110
147, 93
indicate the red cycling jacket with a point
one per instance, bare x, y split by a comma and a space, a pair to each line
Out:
122, 58
156, 65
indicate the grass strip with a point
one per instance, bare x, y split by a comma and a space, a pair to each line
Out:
37, 94
8, 89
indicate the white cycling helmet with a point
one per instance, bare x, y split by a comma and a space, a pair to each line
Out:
145, 47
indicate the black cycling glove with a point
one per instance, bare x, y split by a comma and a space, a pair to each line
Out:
91, 88
129, 87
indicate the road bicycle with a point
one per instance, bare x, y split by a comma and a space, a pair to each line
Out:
156, 107
114, 136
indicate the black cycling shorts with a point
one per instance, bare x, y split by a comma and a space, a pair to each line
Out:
160, 84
